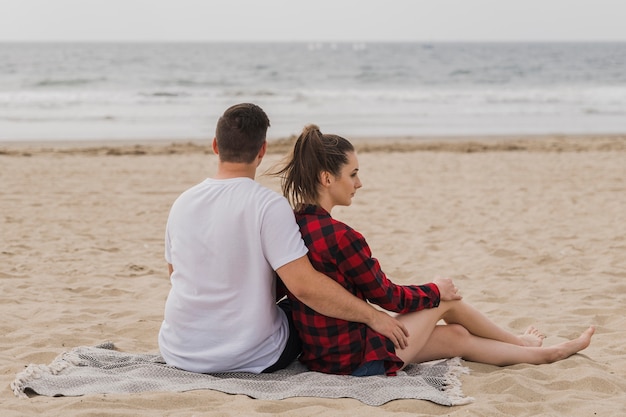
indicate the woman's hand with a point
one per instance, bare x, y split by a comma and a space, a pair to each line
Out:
447, 290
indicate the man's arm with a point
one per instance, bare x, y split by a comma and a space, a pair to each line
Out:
328, 297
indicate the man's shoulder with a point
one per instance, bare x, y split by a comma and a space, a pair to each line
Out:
242, 192
263, 192
238, 184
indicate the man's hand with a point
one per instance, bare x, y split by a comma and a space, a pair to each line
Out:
447, 290
390, 327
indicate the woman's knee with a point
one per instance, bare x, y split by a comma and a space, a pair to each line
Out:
451, 309
457, 337
457, 331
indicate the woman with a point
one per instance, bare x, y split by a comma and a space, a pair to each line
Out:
321, 173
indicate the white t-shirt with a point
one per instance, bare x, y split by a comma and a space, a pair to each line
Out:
225, 239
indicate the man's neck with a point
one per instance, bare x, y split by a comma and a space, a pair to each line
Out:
228, 170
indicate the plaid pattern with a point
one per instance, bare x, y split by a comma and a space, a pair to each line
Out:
337, 346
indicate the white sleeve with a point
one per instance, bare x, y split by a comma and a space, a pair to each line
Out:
280, 234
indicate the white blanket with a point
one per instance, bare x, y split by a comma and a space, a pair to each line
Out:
103, 370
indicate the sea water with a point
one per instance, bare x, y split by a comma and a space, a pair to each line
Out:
89, 91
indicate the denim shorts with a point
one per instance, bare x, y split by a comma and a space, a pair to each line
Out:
371, 368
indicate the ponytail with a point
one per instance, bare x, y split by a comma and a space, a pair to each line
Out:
313, 153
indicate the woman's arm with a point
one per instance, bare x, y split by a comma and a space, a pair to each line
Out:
329, 298
355, 262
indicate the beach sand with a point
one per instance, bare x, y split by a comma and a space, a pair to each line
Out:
533, 230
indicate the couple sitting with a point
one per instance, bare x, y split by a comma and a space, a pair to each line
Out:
228, 237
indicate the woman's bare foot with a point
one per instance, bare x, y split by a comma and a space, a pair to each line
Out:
567, 349
532, 337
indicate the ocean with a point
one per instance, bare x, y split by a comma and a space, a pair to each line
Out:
83, 91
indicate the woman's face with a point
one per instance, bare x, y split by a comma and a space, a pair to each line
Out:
342, 188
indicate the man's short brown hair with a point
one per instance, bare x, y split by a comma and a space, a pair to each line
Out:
241, 132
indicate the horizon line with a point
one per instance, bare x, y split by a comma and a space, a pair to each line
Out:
345, 41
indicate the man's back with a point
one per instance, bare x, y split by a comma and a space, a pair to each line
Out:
225, 239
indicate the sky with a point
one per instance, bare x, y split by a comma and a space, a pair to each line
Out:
313, 20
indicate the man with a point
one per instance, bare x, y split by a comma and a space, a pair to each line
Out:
225, 239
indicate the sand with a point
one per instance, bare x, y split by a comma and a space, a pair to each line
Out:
533, 230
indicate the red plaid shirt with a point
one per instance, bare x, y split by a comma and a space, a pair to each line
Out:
337, 346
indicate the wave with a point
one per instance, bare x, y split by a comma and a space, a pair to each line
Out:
251, 93
191, 83
605, 112
166, 94
62, 118
69, 82
601, 99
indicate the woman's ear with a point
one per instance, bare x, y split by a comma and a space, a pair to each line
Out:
325, 178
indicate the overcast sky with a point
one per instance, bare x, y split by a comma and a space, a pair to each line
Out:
312, 20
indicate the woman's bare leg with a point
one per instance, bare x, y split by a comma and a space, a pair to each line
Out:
459, 312
451, 340
439, 341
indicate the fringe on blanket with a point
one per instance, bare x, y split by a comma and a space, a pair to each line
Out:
453, 386
36, 371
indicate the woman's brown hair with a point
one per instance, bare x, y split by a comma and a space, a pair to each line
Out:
313, 153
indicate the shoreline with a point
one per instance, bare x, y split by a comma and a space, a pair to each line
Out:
462, 144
